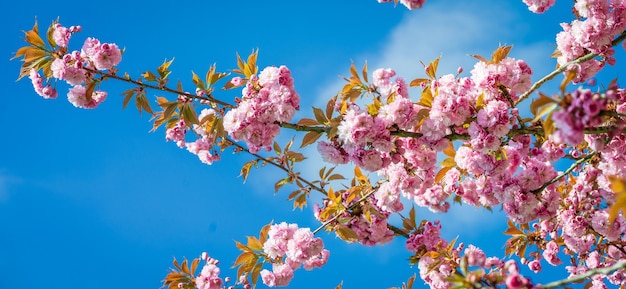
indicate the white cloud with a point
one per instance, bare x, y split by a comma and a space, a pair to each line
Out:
453, 31
5, 181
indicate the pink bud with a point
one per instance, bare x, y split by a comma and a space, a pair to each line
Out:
459, 70
204, 256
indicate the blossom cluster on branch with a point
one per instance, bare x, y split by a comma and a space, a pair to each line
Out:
462, 139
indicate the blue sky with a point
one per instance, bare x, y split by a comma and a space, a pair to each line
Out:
91, 199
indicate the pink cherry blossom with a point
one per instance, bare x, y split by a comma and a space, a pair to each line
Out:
78, 97
43, 91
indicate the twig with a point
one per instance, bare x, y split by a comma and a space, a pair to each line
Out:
581, 277
164, 88
259, 157
565, 173
564, 67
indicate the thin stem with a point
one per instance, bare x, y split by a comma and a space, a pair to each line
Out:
564, 67
565, 173
313, 186
584, 276
163, 88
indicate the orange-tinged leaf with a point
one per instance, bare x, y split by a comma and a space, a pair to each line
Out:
280, 183
449, 151
336, 177
194, 265
32, 37
548, 125
307, 122
256, 270
546, 109
441, 173
245, 170
254, 243
146, 105
128, 94
568, 78
427, 97
330, 107
418, 82
448, 162
618, 185
197, 81
501, 53
310, 138
364, 72
50, 34
184, 266
353, 71
189, 115
432, 254
340, 285
539, 102
242, 247
431, 69
512, 231
163, 69
264, 232
479, 58
295, 156
300, 202
319, 115
480, 101
346, 234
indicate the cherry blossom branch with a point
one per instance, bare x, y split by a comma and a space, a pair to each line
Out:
564, 67
582, 277
157, 87
565, 173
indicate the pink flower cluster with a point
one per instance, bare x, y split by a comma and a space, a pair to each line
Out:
267, 100
581, 223
410, 4
437, 261
581, 112
203, 145
72, 66
601, 21
539, 6
46, 91
209, 276
289, 247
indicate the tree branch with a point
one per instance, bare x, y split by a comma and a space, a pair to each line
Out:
564, 67
582, 277
156, 87
259, 157
565, 173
